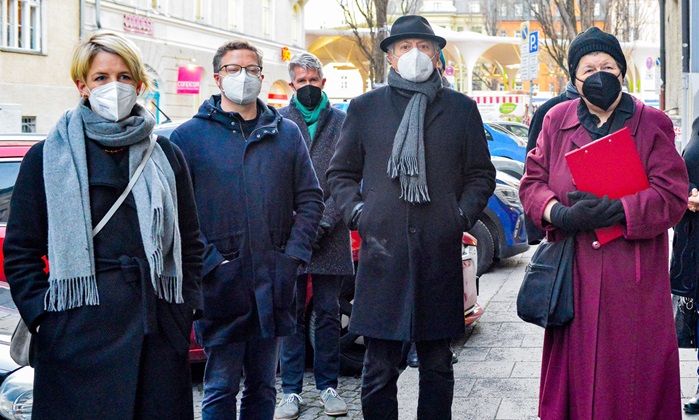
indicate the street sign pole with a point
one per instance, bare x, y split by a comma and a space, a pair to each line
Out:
533, 64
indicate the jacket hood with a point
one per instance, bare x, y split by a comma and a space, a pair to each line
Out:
211, 109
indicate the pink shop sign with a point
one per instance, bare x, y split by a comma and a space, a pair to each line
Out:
188, 80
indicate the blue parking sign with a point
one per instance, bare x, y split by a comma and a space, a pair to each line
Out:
533, 42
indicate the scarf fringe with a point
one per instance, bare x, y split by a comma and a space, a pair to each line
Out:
169, 288
64, 294
413, 191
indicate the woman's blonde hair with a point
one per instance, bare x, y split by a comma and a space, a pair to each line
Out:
110, 42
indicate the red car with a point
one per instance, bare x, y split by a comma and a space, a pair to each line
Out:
12, 149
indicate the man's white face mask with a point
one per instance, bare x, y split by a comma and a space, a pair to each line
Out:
242, 88
113, 101
415, 66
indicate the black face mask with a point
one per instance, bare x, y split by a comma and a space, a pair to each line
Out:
601, 89
309, 96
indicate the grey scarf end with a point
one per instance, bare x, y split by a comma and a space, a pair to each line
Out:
64, 294
415, 194
169, 288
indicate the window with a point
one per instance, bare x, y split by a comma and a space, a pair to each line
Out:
295, 16
518, 33
9, 168
29, 124
474, 7
478, 29
518, 85
502, 33
598, 9
21, 24
518, 10
344, 82
459, 29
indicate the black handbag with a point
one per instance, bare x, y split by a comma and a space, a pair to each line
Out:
686, 318
546, 295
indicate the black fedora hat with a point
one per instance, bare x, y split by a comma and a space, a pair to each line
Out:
411, 26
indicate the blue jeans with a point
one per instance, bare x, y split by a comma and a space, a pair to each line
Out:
326, 363
257, 359
380, 378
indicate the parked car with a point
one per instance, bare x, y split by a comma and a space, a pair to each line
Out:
511, 167
503, 144
352, 346
519, 129
500, 230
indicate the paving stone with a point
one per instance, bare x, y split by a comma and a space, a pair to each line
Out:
505, 387
526, 370
513, 408
485, 369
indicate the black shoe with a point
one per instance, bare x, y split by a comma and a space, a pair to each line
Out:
692, 407
412, 357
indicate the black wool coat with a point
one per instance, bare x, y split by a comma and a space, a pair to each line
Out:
334, 256
409, 279
98, 361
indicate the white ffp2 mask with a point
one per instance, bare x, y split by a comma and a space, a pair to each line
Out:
113, 101
242, 88
415, 66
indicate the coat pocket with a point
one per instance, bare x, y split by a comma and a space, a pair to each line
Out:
176, 324
225, 292
285, 272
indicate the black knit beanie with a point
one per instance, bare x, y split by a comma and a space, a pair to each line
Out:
592, 40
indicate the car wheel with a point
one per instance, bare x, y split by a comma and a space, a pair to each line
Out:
485, 246
351, 345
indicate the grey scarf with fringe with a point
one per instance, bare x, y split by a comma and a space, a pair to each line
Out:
72, 278
407, 159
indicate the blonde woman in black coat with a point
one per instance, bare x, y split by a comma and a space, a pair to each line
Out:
112, 319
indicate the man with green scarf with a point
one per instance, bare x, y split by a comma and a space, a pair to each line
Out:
320, 125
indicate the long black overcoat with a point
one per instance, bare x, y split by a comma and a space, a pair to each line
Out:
98, 361
334, 257
409, 279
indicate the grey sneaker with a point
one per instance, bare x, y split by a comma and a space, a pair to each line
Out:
333, 403
289, 407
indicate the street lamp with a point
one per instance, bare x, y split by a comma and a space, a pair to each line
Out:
387, 32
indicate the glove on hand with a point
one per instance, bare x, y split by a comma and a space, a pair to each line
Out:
323, 230
587, 214
617, 206
354, 218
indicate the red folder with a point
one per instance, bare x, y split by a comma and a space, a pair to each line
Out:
609, 166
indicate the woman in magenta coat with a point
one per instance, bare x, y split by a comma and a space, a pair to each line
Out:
618, 357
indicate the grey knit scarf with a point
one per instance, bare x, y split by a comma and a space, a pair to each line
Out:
407, 159
72, 278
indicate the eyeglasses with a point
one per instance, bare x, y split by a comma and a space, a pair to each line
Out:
234, 69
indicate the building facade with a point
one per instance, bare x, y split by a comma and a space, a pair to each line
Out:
178, 40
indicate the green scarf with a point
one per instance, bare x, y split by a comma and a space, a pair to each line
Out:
311, 116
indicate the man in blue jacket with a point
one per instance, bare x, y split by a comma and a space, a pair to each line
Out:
260, 205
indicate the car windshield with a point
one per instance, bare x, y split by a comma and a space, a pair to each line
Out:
518, 130
8, 176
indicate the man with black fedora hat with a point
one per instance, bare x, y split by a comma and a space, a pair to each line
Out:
411, 172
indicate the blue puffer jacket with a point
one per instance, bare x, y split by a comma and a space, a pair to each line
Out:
259, 205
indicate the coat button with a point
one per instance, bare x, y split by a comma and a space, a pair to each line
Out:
412, 230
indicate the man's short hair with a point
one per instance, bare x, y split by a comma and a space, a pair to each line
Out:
305, 61
232, 46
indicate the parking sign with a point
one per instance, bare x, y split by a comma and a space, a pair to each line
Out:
533, 42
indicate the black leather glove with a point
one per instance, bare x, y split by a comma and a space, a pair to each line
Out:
323, 230
354, 218
587, 214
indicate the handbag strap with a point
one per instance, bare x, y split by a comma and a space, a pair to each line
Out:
126, 192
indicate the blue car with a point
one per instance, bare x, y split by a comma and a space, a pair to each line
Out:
500, 230
505, 145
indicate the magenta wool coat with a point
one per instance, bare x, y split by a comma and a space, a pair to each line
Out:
618, 358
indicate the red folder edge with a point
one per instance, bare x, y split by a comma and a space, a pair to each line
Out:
609, 166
